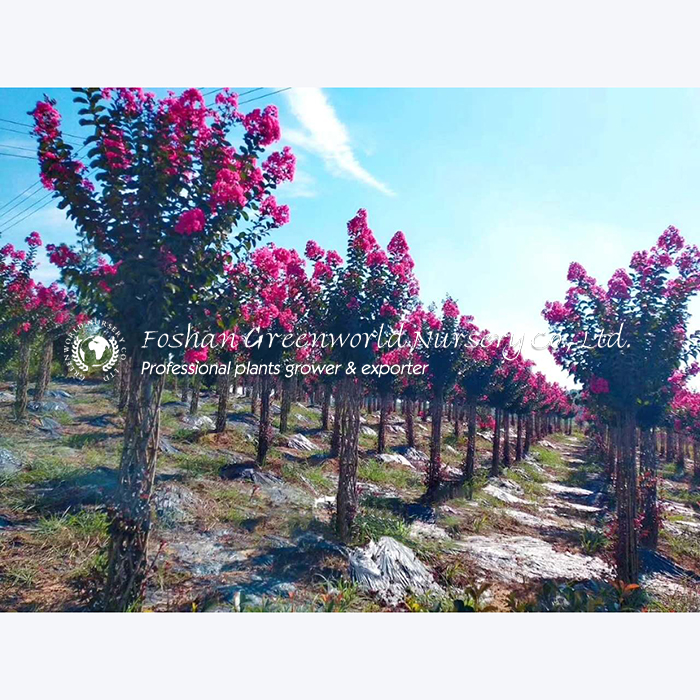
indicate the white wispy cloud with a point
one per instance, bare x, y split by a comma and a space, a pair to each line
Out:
325, 135
303, 186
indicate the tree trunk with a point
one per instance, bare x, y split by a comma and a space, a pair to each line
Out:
496, 453
528, 434
125, 387
44, 376
335, 435
457, 409
254, 396
669, 444
130, 524
286, 404
647, 486
506, 439
196, 388
118, 378
224, 384
21, 398
381, 431
469, 459
680, 454
185, 387
347, 417
265, 427
519, 439
326, 407
626, 551
435, 463
410, 431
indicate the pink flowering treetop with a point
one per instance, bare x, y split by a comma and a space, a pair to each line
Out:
371, 288
443, 358
481, 357
273, 295
164, 201
649, 301
510, 383
27, 308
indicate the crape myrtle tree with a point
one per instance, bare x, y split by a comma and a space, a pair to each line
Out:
386, 386
481, 357
442, 355
637, 327
373, 287
31, 312
685, 413
508, 384
169, 202
411, 388
274, 292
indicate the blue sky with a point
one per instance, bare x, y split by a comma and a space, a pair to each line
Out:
497, 191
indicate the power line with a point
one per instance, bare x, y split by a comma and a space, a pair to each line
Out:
29, 126
27, 208
18, 155
23, 192
14, 131
240, 94
18, 148
46, 197
38, 189
269, 94
253, 99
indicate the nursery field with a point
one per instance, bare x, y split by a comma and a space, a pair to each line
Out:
418, 461
228, 536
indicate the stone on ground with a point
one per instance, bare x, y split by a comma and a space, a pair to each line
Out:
518, 559
393, 459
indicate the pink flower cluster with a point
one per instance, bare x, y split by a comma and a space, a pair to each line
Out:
263, 125
274, 287
278, 213
598, 385
280, 166
189, 222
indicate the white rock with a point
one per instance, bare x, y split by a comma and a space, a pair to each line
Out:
529, 519
301, 442
366, 430
415, 455
560, 488
325, 502
394, 458
521, 558
428, 530
503, 495
199, 422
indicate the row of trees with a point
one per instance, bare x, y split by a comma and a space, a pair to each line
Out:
33, 317
169, 215
627, 344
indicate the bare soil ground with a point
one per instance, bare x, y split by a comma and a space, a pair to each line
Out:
229, 537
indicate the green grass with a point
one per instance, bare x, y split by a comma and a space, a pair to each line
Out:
690, 496
593, 541
84, 439
198, 465
84, 524
547, 457
372, 524
313, 475
386, 475
683, 545
43, 469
